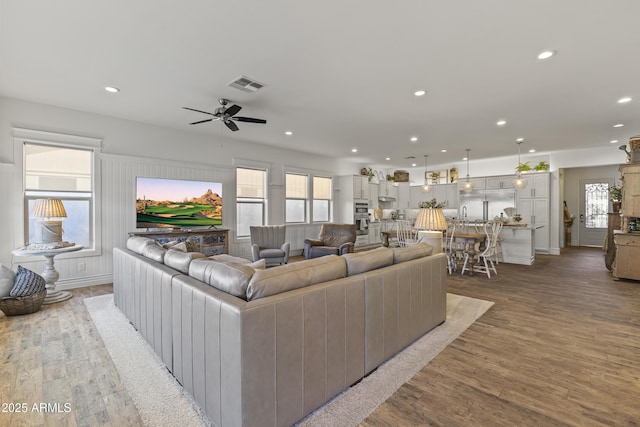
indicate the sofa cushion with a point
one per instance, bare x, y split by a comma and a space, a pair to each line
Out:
230, 277
180, 260
138, 243
7, 277
27, 283
154, 252
284, 278
411, 252
359, 262
258, 265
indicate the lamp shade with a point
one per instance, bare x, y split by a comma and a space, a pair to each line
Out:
48, 208
431, 219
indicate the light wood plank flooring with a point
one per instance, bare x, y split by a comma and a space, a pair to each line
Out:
561, 346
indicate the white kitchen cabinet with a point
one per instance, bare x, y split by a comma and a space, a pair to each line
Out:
404, 195
499, 182
360, 187
533, 206
478, 183
374, 192
445, 193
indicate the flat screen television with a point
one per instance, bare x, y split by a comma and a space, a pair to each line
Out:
177, 203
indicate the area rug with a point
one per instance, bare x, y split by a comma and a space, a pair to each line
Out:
141, 370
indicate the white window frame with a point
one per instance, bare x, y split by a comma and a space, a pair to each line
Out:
22, 136
310, 174
251, 200
330, 199
307, 216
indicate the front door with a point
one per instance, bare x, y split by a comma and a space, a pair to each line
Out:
594, 206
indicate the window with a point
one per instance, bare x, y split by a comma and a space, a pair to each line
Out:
596, 205
321, 199
250, 199
296, 198
65, 173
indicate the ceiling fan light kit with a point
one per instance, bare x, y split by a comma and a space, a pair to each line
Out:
227, 115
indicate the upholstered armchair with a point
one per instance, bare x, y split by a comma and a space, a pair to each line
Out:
268, 243
334, 239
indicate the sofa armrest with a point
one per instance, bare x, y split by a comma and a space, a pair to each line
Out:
308, 243
314, 242
345, 248
285, 248
255, 252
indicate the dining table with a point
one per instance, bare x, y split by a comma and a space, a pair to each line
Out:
472, 244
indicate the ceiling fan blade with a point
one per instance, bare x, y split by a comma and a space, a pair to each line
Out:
233, 110
234, 127
201, 121
249, 119
199, 111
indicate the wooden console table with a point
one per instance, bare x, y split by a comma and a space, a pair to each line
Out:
208, 241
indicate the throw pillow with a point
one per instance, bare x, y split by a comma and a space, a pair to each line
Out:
182, 246
7, 277
27, 283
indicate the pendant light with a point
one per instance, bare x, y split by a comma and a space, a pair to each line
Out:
426, 187
519, 182
467, 187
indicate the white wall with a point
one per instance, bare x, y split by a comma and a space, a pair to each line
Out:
130, 149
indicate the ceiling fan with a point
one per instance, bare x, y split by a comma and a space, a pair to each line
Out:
226, 114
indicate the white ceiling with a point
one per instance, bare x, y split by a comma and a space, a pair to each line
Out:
341, 74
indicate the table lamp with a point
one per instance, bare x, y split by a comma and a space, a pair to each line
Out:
431, 223
49, 227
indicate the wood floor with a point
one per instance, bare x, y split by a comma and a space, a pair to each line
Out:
561, 346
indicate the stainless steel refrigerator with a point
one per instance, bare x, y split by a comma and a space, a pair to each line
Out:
486, 204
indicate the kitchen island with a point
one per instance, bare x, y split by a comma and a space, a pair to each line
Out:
518, 243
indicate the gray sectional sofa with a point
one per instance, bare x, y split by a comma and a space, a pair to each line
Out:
265, 347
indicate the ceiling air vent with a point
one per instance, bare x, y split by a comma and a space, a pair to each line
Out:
246, 84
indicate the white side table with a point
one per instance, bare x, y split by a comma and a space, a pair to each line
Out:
50, 274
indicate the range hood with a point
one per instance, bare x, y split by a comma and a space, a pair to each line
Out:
386, 199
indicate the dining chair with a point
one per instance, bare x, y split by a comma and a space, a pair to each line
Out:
455, 251
487, 259
407, 235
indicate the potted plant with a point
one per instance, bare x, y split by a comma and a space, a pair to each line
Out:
524, 167
433, 203
615, 195
542, 166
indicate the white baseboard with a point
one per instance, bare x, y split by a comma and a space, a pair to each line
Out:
81, 282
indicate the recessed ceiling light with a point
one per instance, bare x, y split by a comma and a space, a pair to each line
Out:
414, 138
387, 158
354, 150
501, 122
519, 139
444, 150
619, 125
464, 158
613, 141
546, 54
624, 100
288, 132
111, 89
413, 165
532, 150
420, 92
